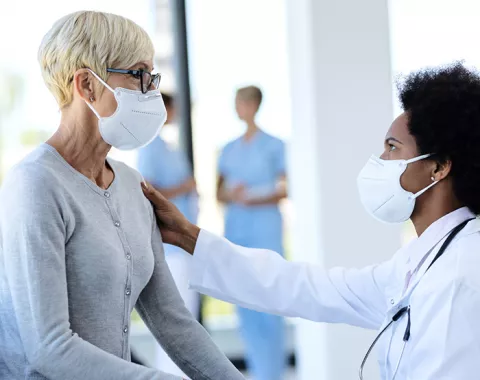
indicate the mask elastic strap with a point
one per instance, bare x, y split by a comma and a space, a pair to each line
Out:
106, 85
419, 158
427, 188
93, 110
102, 81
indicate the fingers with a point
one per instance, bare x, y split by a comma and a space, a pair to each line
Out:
147, 188
152, 194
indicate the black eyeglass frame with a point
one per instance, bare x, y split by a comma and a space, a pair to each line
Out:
139, 74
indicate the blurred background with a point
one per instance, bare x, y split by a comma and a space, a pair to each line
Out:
327, 71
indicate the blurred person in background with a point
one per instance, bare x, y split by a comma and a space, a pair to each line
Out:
251, 184
79, 243
167, 168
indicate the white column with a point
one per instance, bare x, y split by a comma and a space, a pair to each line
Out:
341, 86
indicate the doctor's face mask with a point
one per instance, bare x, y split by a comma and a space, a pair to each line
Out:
380, 181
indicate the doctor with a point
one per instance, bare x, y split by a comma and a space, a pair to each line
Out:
424, 301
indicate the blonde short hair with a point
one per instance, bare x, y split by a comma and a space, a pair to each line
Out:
250, 93
93, 40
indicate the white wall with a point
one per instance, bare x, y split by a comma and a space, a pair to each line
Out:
339, 55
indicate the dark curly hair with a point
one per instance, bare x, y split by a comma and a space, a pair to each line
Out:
443, 105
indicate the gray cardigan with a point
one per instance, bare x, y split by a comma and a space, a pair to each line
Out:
74, 262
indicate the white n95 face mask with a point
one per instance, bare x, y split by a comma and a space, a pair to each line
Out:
136, 121
381, 193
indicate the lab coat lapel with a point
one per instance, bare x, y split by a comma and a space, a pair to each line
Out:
436, 246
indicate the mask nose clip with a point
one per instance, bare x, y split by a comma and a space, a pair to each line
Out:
154, 95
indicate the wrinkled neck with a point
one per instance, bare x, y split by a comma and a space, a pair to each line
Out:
79, 142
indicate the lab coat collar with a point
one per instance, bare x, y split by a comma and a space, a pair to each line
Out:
428, 245
423, 245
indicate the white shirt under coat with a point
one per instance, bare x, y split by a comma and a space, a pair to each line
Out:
445, 300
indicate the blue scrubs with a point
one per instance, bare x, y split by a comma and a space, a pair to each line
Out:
257, 164
165, 167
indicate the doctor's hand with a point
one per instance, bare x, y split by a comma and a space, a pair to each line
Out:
174, 227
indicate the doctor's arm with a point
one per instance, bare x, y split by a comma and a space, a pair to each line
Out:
262, 280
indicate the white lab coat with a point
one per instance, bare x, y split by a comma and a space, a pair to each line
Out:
445, 301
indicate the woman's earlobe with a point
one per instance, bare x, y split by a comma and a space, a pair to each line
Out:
442, 169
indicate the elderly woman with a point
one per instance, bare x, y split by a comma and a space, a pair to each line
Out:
79, 243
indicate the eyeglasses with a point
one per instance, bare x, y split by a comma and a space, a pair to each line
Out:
406, 337
146, 79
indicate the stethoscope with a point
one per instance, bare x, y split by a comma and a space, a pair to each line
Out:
406, 309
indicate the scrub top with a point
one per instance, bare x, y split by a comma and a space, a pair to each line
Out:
165, 166
257, 164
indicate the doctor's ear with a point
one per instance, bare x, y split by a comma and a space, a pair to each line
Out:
442, 170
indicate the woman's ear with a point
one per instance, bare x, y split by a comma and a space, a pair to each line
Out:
83, 83
442, 170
